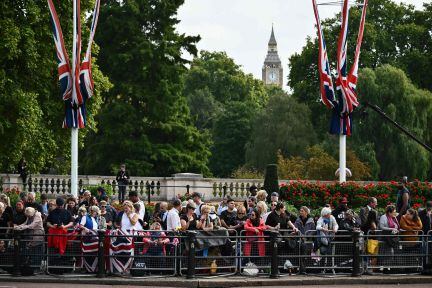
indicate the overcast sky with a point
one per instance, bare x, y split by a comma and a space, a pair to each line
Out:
242, 28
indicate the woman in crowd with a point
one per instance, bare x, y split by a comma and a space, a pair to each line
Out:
262, 207
388, 222
188, 220
93, 220
71, 206
205, 222
33, 227
8, 209
304, 222
262, 196
89, 224
214, 218
128, 220
155, 242
5, 222
255, 228
326, 228
105, 214
411, 224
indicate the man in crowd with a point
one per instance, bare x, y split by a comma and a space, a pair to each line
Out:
364, 211
122, 179
426, 217
173, 217
18, 214
228, 216
339, 212
403, 198
133, 197
85, 199
251, 204
31, 202
196, 197
274, 197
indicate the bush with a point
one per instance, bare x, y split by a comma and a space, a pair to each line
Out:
315, 195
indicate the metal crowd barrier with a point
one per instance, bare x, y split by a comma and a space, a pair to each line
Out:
404, 255
274, 254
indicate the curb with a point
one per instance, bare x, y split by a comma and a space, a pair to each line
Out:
227, 282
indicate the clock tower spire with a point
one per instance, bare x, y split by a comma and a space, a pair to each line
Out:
272, 72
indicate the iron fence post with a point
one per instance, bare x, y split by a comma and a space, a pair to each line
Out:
16, 271
274, 268
356, 268
101, 273
191, 255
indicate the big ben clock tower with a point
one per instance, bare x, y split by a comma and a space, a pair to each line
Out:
272, 72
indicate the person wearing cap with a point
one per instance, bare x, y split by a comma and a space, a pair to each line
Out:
188, 220
339, 212
196, 197
274, 197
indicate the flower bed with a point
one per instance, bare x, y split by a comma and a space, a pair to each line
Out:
315, 195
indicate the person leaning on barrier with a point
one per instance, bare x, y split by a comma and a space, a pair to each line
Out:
93, 220
304, 222
214, 218
127, 219
228, 216
188, 220
390, 226
255, 228
5, 222
326, 226
278, 219
240, 219
33, 226
105, 214
339, 212
349, 224
411, 223
371, 223
18, 214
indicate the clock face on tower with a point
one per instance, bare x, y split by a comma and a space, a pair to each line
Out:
272, 76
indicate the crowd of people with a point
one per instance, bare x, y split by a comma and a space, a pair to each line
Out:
255, 218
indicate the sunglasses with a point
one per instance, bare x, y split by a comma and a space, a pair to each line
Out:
241, 213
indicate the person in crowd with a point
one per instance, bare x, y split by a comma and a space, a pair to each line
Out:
388, 222
240, 219
8, 209
327, 222
188, 220
127, 220
403, 198
33, 229
31, 202
18, 214
93, 202
109, 208
82, 212
251, 204
51, 205
205, 222
274, 197
254, 228
105, 214
262, 196
72, 207
228, 216
100, 194
5, 222
133, 197
122, 179
58, 222
426, 217
411, 224
196, 197
23, 197
155, 242
253, 190
44, 205
370, 225
22, 170
223, 205
85, 199
160, 215
364, 211
339, 212
278, 219
92, 220
326, 227
349, 224
214, 218
173, 217
262, 207
272, 208
304, 222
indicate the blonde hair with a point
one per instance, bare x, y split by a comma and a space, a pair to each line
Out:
82, 209
2, 207
129, 204
262, 207
5, 199
205, 209
95, 209
154, 224
261, 195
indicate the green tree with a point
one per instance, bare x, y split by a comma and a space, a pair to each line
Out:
31, 109
145, 121
284, 125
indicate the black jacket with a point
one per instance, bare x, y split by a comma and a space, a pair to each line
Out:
426, 221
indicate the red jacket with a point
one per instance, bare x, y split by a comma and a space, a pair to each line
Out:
148, 241
251, 231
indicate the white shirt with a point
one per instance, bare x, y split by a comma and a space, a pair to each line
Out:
198, 209
173, 220
141, 212
94, 223
127, 225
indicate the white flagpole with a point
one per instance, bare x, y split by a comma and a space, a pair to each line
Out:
74, 131
342, 158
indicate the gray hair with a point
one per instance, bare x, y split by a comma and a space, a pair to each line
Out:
325, 211
30, 211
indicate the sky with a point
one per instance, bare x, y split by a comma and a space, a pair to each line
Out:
242, 28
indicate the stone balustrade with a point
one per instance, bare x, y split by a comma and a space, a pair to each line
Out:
159, 188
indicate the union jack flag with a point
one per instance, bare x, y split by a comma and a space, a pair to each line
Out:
90, 248
121, 251
64, 70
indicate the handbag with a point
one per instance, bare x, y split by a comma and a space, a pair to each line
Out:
372, 246
250, 269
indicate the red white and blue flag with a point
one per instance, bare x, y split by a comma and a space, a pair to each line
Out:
90, 248
74, 91
121, 251
345, 100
